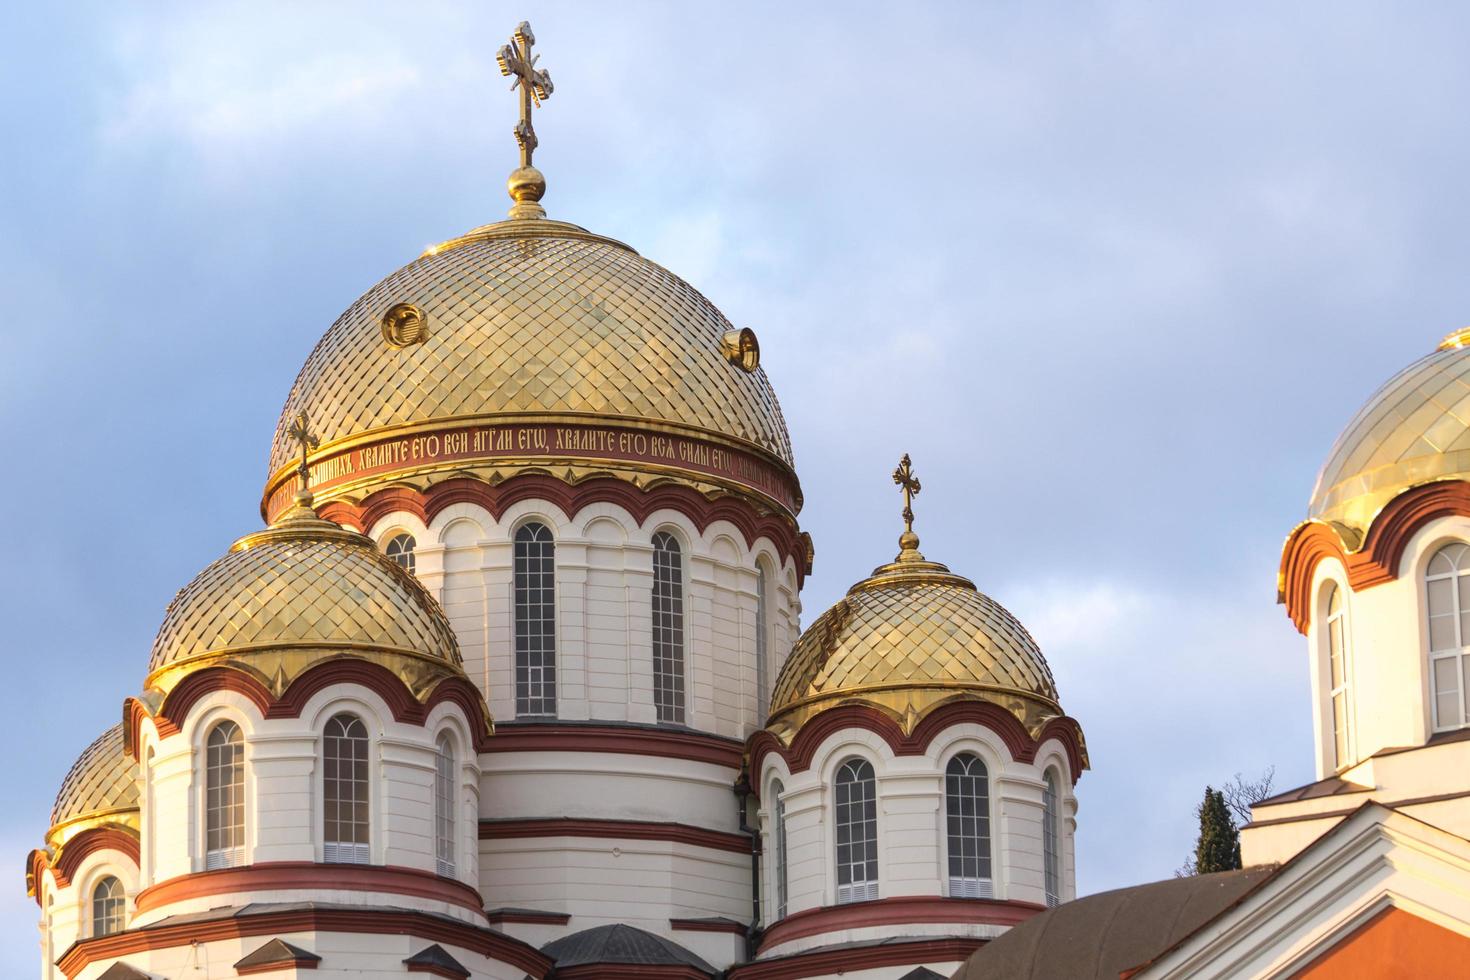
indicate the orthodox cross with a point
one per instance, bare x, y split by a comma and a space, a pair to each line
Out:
535, 83
301, 433
904, 477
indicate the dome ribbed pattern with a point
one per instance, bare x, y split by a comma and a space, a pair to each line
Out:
305, 584
531, 318
103, 778
1415, 429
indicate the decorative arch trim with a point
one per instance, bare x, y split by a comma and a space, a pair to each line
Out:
1018, 741
1382, 551
90, 842
308, 876
901, 910
380, 680
571, 499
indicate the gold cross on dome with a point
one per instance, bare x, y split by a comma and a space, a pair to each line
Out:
516, 59
904, 477
300, 433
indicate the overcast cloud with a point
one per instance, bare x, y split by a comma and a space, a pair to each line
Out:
1115, 274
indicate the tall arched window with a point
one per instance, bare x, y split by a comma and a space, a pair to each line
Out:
1447, 586
778, 832
224, 797
668, 628
400, 549
1051, 856
444, 806
535, 595
345, 821
108, 902
1337, 674
857, 832
762, 652
967, 808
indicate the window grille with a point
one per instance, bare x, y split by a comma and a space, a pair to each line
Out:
1051, 856
345, 798
967, 811
400, 549
108, 905
1447, 586
857, 832
224, 797
535, 622
444, 807
668, 629
780, 871
1337, 674
762, 667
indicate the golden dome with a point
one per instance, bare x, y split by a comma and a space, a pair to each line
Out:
532, 321
100, 788
300, 591
910, 637
1414, 430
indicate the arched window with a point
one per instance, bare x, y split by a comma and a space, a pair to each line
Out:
668, 628
778, 833
400, 549
1447, 586
857, 832
967, 809
1050, 839
345, 791
535, 595
108, 902
762, 668
1336, 626
444, 806
224, 797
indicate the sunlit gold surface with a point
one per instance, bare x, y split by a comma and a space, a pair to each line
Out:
1415, 429
295, 593
533, 318
101, 789
913, 636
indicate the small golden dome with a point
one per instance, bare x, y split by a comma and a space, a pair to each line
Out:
530, 321
303, 590
908, 638
1413, 430
101, 788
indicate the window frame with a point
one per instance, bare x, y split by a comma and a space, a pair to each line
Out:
762, 643
410, 553
971, 886
233, 855
1456, 654
539, 677
115, 909
868, 888
780, 894
336, 851
1051, 837
669, 650
446, 805
1338, 685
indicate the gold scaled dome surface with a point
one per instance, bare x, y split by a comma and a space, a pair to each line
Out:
530, 319
101, 787
910, 637
1413, 430
300, 591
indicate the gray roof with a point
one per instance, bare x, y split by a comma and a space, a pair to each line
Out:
438, 958
1102, 935
621, 944
278, 951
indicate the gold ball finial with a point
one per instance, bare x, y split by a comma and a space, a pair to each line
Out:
526, 186
1460, 338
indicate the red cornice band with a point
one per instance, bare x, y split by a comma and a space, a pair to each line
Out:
902, 910
1023, 748
617, 739
1382, 551
677, 833
309, 876
830, 961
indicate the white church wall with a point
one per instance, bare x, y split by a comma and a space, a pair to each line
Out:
607, 785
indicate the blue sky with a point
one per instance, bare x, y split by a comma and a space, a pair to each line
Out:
1114, 274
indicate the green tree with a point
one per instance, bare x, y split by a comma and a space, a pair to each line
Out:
1218, 847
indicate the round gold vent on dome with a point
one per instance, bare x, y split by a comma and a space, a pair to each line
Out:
405, 325
742, 349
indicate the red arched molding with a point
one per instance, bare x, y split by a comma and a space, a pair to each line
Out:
1023, 748
89, 842
834, 961
902, 910
36, 865
305, 875
352, 921
702, 511
1378, 560
342, 670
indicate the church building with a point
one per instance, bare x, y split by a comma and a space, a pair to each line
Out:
511, 683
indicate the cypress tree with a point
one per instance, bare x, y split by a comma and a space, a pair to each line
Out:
1218, 847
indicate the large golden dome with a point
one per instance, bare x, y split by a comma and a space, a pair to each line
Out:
614, 363
908, 638
101, 788
298, 592
1414, 430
